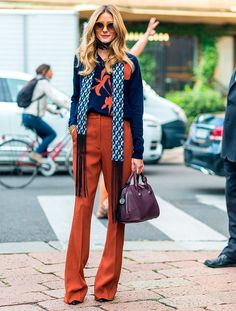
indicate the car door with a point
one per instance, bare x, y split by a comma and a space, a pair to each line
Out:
14, 112
7, 109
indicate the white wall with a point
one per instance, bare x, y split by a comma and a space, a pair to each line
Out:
30, 38
11, 42
224, 69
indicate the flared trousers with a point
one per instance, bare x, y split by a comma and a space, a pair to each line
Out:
98, 158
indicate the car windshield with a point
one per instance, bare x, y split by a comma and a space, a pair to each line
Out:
15, 85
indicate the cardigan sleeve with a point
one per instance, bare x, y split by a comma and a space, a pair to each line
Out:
76, 94
135, 100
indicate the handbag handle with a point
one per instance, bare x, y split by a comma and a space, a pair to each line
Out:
135, 176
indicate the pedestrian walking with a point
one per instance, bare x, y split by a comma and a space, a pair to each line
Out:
32, 116
107, 131
228, 255
136, 50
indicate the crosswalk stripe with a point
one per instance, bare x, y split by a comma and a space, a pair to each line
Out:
180, 226
59, 212
173, 222
209, 199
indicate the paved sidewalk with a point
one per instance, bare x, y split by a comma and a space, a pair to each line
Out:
150, 280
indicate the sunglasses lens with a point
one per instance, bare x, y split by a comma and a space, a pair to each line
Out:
99, 25
110, 27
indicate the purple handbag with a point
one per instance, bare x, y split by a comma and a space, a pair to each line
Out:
137, 202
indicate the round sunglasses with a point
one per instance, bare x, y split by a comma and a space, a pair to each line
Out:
101, 25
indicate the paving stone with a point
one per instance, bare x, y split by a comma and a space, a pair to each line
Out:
94, 259
23, 288
150, 280
140, 275
54, 284
167, 282
186, 264
51, 268
122, 288
21, 308
136, 306
133, 266
191, 301
60, 274
130, 295
156, 256
181, 272
221, 307
49, 258
30, 279
13, 261
55, 293
21, 298
90, 272
60, 305
2, 284
214, 280
192, 309
18, 271
226, 297
191, 290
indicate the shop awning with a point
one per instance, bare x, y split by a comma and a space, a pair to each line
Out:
179, 11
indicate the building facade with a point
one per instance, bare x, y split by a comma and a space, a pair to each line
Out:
173, 54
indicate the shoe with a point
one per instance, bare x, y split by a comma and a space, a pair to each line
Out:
36, 157
75, 302
102, 300
102, 212
219, 262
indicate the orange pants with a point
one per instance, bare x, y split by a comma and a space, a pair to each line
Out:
98, 157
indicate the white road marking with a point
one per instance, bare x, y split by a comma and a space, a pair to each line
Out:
173, 222
180, 226
214, 200
59, 212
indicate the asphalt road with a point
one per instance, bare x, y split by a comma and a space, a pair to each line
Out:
192, 209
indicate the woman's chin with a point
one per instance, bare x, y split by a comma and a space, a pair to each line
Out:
105, 40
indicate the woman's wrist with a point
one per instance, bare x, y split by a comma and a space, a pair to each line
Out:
71, 128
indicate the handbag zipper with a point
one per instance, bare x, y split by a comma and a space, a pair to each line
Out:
126, 205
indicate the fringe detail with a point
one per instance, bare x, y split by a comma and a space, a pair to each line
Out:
116, 186
80, 180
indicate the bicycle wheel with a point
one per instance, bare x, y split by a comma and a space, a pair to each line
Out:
69, 161
16, 169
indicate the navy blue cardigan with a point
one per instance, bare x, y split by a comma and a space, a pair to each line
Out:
101, 98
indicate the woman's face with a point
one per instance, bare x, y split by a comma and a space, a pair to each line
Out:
49, 74
104, 28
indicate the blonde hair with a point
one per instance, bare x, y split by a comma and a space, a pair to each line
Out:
117, 49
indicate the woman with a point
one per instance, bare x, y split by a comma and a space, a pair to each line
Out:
32, 115
136, 50
107, 131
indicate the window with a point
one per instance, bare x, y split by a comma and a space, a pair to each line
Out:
15, 85
4, 94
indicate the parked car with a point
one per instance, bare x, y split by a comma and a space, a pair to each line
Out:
152, 139
171, 117
10, 117
203, 146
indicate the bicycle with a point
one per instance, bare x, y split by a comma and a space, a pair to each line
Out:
17, 170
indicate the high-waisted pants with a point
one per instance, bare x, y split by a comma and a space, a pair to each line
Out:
98, 158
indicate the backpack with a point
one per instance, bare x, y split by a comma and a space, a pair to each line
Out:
24, 96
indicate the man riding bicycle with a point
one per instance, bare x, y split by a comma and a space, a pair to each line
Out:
33, 114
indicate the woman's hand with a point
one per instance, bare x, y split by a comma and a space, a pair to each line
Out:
137, 165
152, 26
71, 128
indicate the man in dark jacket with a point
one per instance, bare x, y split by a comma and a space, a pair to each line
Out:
228, 256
